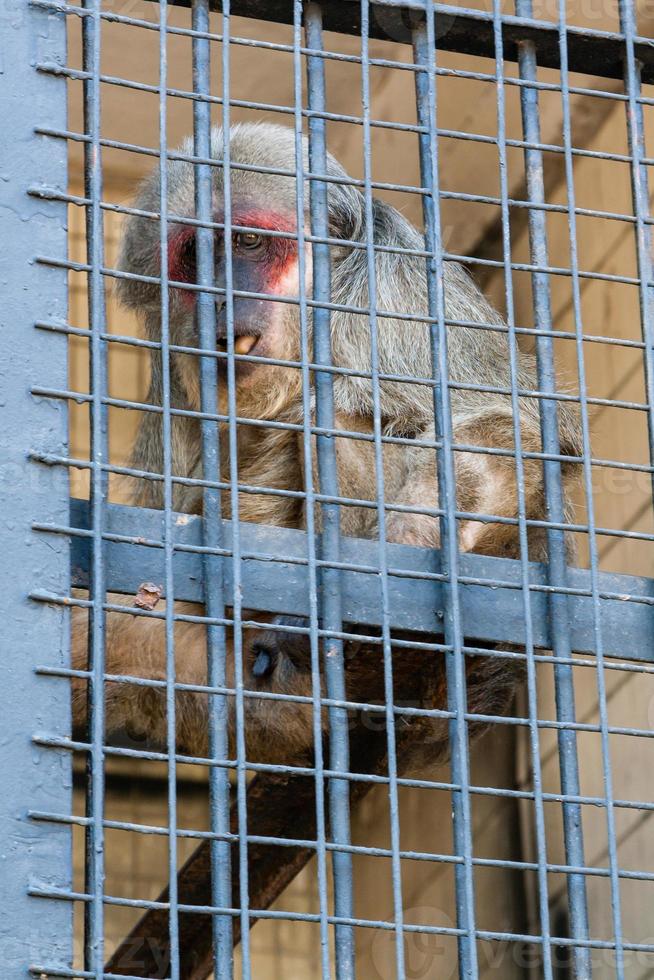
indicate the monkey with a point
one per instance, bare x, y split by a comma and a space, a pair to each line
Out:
266, 266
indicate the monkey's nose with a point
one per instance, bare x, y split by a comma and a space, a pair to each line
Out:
264, 661
220, 304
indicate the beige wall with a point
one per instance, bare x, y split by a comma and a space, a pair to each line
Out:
501, 829
622, 501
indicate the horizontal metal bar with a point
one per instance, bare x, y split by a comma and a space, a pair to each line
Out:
467, 31
293, 916
430, 857
49, 193
276, 580
69, 745
479, 76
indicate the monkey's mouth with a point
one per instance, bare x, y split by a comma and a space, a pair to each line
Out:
243, 344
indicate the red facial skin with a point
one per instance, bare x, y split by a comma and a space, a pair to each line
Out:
268, 268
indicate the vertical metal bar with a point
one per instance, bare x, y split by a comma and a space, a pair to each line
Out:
94, 870
309, 490
645, 260
641, 209
590, 505
237, 591
424, 47
339, 794
532, 690
221, 888
554, 503
396, 867
33, 930
167, 437
641, 202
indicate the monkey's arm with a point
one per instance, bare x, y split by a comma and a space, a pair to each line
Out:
485, 485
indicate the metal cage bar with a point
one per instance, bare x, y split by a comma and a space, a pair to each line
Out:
93, 182
590, 509
330, 588
389, 696
492, 604
540, 831
214, 590
237, 591
167, 437
556, 543
633, 79
424, 43
312, 593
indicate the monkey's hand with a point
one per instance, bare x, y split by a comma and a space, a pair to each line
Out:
485, 486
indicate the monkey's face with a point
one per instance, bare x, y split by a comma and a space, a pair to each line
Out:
263, 291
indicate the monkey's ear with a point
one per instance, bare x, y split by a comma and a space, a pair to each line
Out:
139, 255
139, 252
345, 205
345, 219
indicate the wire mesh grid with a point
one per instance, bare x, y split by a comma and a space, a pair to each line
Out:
390, 518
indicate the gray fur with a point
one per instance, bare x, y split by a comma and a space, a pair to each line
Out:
475, 356
273, 458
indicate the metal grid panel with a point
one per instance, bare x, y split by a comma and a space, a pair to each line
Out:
455, 605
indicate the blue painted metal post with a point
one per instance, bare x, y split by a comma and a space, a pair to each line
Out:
33, 931
555, 507
214, 596
94, 931
424, 47
330, 581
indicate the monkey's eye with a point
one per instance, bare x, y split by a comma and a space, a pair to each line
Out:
248, 241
